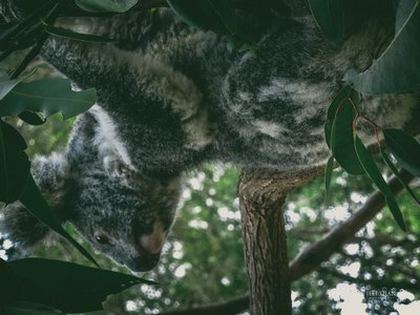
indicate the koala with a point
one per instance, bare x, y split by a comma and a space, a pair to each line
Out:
170, 98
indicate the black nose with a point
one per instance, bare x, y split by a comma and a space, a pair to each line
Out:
143, 263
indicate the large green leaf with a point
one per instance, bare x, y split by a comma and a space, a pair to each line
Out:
6, 85
32, 118
68, 34
397, 70
68, 287
48, 97
35, 203
23, 308
405, 149
9, 286
117, 6
216, 15
14, 164
375, 175
330, 16
396, 173
339, 132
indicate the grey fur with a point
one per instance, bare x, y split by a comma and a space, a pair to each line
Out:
170, 98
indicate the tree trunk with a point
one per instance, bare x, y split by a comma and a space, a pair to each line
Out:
262, 196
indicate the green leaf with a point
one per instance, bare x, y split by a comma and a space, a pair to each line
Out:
35, 203
405, 149
6, 85
32, 118
65, 33
396, 173
339, 132
397, 70
328, 176
69, 287
9, 286
48, 97
14, 164
215, 15
22, 308
118, 6
330, 16
372, 170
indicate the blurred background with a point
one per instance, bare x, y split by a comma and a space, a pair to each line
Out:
203, 260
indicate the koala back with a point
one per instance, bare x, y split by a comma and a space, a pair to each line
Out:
274, 100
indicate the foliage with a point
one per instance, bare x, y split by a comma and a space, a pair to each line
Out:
395, 71
40, 281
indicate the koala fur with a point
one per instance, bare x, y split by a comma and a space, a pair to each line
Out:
170, 98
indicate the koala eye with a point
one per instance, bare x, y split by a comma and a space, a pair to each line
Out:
102, 239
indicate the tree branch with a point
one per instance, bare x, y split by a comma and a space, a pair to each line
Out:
375, 283
316, 253
313, 255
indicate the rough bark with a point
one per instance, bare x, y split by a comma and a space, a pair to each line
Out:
262, 196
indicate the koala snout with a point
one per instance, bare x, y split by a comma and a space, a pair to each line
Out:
152, 243
143, 263
149, 247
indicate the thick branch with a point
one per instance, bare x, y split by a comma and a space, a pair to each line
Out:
312, 256
262, 195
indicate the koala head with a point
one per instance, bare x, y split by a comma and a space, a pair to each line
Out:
125, 216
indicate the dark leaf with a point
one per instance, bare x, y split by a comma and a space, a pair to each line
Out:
48, 97
23, 308
330, 16
375, 175
6, 84
396, 71
14, 164
339, 132
405, 149
396, 173
69, 287
9, 284
32, 118
118, 6
215, 15
64, 33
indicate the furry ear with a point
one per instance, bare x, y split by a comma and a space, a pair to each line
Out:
19, 225
111, 149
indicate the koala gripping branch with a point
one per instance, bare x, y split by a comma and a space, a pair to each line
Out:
262, 196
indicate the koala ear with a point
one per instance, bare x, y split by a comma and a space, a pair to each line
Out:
111, 149
19, 225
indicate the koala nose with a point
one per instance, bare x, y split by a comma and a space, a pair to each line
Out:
151, 244
148, 247
143, 263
